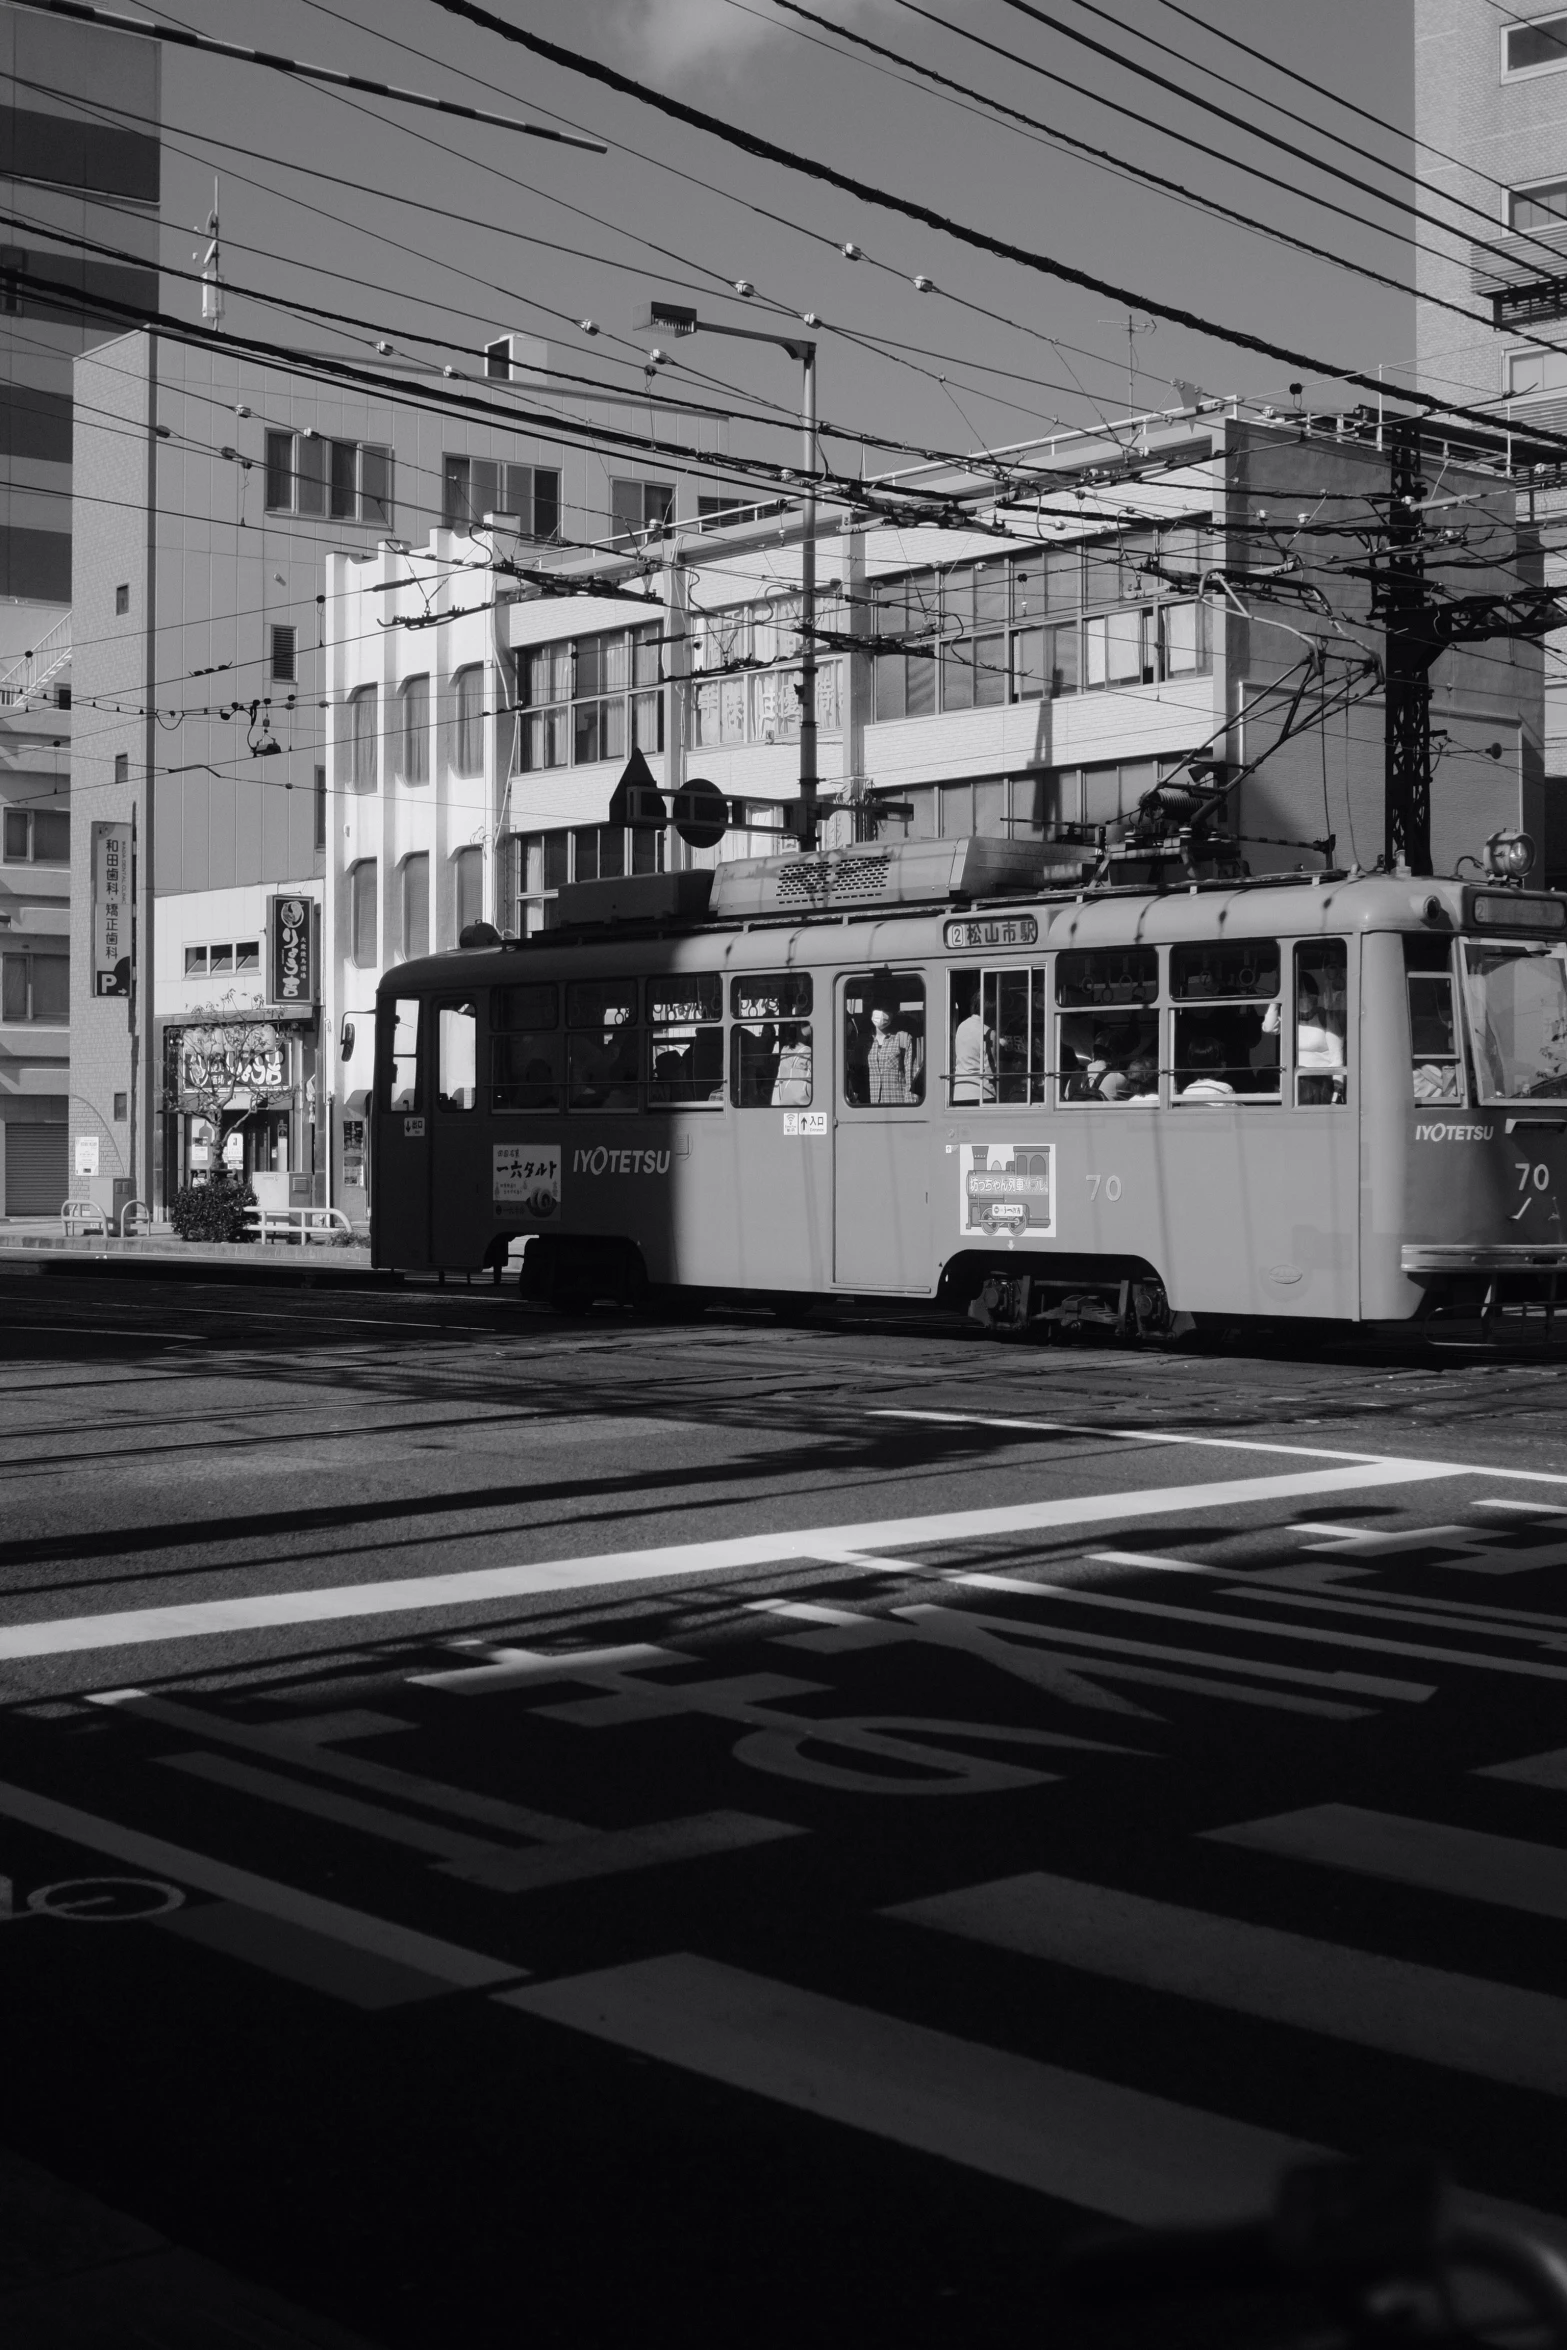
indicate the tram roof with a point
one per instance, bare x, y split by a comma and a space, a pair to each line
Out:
1272, 905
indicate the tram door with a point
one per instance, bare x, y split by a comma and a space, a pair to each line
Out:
882, 1230
459, 1193
400, 1206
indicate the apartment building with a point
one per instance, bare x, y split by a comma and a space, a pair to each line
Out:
211, 490
1489, 111
79, 160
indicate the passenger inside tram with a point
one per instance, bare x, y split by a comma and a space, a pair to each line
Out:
1204, 1073
792, 1081
884, 1040
1099, 1050
973, 1045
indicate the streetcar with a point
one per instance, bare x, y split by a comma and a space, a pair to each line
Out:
931, 1072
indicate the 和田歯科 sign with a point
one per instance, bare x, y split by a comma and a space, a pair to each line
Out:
293, 951
111, 909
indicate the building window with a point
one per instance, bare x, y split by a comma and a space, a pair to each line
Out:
1529, 372
416, 906
122, 766
468, 699
1036, 626
35, 987
468, 870
593, 698
243, 954
1539, 47
1542, 206
37, 836
413, 758
122, 601
475, 486
320, 808
283, 644
121, 1108
636, 506
544, 862
349, 480
363, 912
497, 359
362, 738
746, 676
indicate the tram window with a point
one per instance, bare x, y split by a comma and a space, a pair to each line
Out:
1109, 1033
402, 1065
884, 1039
1091, 976
602, 1045
457, 1057
770, 1053
1518, 1020
997, 1036
1225, 1028
527, 1051
1321, 1022
1433, 1020
685, 1021
1241, 968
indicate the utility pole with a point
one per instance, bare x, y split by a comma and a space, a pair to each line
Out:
680, 318
1400, 602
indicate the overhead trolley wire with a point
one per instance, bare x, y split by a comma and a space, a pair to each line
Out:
769, 151
1123, 167
181, 37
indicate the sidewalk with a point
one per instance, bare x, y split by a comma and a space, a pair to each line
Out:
75, 2275
160, 1252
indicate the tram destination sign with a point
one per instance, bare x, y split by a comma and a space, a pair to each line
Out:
993, 930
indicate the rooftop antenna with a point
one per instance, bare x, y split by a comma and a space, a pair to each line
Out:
211, 283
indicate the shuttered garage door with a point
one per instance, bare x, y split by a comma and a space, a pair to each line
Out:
35, 1177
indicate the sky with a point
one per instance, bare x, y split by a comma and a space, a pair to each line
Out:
432, 228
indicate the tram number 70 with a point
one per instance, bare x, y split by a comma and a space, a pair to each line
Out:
1539, 1177
1110, 1183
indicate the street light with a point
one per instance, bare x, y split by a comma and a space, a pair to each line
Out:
679, 318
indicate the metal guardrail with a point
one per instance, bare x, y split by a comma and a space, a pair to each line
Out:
132, 1209
75, 1214
300, 1224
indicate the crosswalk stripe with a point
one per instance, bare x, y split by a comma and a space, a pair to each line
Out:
1431, 1854
1120, 2151
1532, 1770
1491, 2029
274, 1610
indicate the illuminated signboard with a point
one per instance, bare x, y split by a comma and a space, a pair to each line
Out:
293, 951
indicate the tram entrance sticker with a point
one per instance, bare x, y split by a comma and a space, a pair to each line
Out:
527, 1180
1006, 1190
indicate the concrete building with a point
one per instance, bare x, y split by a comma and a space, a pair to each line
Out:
79, 158
210, 490
1031, 677
1489, 93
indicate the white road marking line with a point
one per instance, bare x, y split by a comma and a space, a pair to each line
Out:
414, 1594
1092, 2143
1541, 1509
1153, 1560
1404, 1608
465, 1970
1532, 1770
1077, 1596
1213, 1443
614, 1851
460, 1850
304, 1743
1428, 1853
1493, 2030
1358, 1684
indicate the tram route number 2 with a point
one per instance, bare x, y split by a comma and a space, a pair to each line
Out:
1104, 1187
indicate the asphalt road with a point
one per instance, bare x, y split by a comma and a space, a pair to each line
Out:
522, 1828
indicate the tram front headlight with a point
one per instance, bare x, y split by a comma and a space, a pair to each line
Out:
1509, 855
